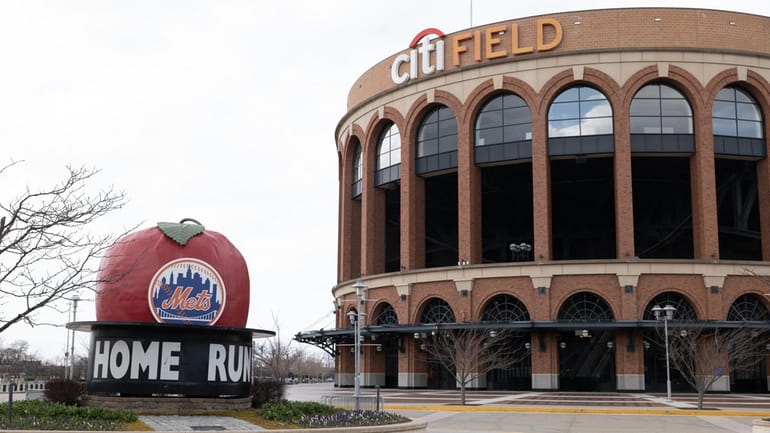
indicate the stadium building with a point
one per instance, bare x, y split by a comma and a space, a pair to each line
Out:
560, 176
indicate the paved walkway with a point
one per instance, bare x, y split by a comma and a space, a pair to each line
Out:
530, 412
196, 423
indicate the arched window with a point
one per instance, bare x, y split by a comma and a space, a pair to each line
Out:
748, 308
684, 310
585, 307
437, 141
580, 123
358, 171
386, 316
737, 124
503, 130
579, 111
661, 120
388, 156
505, 308
437, 311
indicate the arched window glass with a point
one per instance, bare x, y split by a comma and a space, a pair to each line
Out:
505, 308
386, 316
437, 141
736, 114
437, 311
503, 130
684, 310
358, 171
585, 307
748, 308
388, 155
579, 111
660, 109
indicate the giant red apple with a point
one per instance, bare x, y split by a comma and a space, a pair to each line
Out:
177, 273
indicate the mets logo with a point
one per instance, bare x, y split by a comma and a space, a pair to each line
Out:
187, 291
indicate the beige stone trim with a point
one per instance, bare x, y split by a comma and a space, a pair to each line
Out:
542, 273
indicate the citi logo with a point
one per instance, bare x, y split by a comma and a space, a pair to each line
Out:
420, 56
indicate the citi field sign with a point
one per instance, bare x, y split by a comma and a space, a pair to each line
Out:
494, 42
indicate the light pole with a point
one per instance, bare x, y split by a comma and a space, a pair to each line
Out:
75, 299
666, 313
355, 319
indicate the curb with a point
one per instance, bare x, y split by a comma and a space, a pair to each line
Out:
582, 410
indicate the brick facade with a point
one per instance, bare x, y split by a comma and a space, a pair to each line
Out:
617, 51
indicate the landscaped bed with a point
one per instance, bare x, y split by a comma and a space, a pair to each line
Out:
39, 415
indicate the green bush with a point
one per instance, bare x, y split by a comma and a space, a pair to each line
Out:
292, 411
64, 391
40, 415
266, 391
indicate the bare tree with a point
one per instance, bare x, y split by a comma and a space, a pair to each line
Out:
470, 353
703, 355
275, 355
46, 252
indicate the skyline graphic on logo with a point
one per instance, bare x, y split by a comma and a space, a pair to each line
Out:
187, 291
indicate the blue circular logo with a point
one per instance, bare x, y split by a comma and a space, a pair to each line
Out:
187, 291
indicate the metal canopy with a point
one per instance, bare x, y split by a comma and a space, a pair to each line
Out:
327, 339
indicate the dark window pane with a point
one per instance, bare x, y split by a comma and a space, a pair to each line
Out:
494, 104
489, 119
517, 115
447, 127
513, 101
517, 133
447, 144
427, 132
490, 136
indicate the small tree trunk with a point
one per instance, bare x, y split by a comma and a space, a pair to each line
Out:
462, 393
701, 394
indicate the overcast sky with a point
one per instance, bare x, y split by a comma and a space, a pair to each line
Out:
223, 111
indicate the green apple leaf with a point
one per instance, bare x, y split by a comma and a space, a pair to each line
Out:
182, 231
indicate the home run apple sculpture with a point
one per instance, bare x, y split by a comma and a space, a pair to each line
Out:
175, 273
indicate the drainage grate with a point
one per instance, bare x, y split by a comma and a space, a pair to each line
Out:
207, 427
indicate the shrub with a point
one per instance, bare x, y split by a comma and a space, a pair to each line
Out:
292, 411
64, 391
39, 415
266, 391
